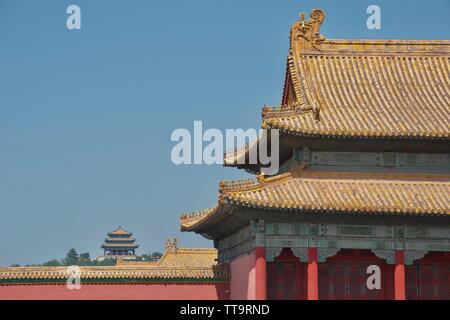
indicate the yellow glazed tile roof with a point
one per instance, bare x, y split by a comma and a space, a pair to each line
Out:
128, 239
176, 263
120, 231
364, 88
119, 245
407, 194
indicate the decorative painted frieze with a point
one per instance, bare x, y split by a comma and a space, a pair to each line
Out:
272, 253
388, 255
382, 240
324, 253
286, 229
286, 241
238, 243
235, 239
400, 237
349, 230
301, 253
411, 256
373, 159
260, 235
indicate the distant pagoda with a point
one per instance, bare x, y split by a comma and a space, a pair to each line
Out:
119, 243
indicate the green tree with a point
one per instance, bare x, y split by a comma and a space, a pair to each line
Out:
105, 262
71, 258
52, 263
144, 257
84, 259
155, 256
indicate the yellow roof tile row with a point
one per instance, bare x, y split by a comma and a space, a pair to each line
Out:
110, 273
364, 88
120, 231
175, 263
331, 193
376, 196
370, 96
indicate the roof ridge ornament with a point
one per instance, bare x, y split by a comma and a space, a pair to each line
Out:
236, 185
171, 244
261, 178
307, 33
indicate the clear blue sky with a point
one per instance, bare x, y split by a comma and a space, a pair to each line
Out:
86, 116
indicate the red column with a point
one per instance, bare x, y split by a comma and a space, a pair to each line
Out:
261, 276
298, 281
399, 275
313, 275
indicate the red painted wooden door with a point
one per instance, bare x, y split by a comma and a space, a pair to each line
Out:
347, 281
428, 281
281, 280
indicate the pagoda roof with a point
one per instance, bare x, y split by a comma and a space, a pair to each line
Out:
303, 190
369, 89
176, 263
364, 88
120, 231
114, 240
106, 245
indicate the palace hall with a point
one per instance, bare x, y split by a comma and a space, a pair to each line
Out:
364, 180
363, 187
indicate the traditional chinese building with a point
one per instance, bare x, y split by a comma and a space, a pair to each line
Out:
364, 186
364, 130
181, 273
119, 243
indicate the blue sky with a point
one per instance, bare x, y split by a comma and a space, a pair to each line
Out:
86, 115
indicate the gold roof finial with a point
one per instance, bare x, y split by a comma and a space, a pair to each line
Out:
171, 244
261, 178
302, 20
307, 33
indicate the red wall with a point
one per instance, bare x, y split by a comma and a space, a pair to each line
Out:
243, 280
152, 291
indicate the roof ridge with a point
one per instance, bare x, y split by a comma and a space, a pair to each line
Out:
375, 180
117, 272
294, 77
299, 171
278, 178
196, 214
307, 33
243, 185
398, 46
290, 109
305, 36
392, 41
200, 250
232, 155
120, 230
236, 185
